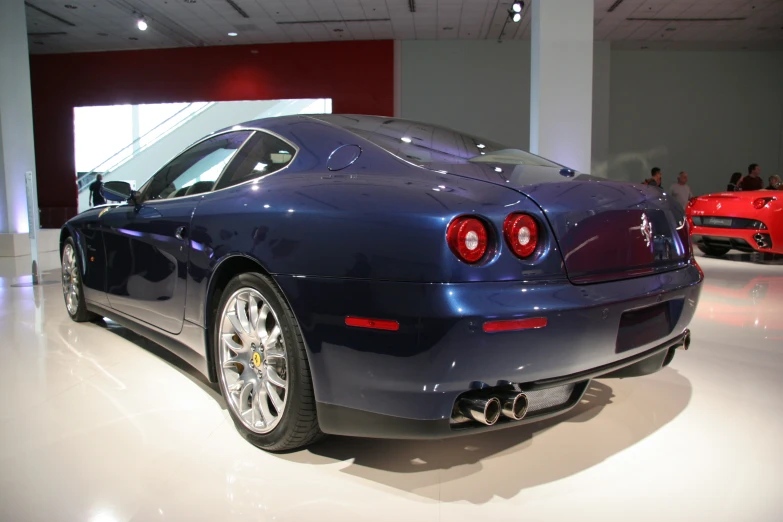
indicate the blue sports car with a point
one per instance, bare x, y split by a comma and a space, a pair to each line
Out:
378, 277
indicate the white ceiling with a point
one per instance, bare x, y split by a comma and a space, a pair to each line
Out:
102, 25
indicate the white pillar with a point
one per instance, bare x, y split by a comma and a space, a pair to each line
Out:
17, 155
602, 61
561, 81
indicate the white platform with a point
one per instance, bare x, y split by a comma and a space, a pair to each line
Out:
16, 245
96, 425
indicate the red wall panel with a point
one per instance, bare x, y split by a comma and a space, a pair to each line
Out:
357, 76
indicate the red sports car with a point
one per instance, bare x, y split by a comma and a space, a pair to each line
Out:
746, 221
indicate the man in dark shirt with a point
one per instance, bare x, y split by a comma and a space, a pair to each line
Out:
655, 178
96, 192
753, 180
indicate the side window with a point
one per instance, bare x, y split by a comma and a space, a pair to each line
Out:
195, 170
264, 154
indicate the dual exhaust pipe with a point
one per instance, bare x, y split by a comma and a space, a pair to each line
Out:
762, 240
487, 409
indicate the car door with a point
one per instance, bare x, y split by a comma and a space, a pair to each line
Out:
146, 240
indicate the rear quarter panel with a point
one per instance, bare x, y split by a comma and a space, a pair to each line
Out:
379, 219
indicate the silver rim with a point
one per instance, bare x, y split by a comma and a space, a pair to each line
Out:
253, 361
70, 280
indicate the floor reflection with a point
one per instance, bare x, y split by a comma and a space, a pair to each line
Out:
734, 295
503, 463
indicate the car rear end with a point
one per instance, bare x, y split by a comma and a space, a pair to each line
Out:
598, 279
547, 280
736, 220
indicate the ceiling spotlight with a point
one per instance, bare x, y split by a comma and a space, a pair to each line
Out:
141, 24
406, 139
517, 7
516, 17
232, 34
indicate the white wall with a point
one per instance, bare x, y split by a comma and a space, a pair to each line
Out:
481, 87
709, 113
17, 155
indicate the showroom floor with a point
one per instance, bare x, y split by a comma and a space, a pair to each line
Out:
99, 425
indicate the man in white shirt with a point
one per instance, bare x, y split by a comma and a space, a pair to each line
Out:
680, 191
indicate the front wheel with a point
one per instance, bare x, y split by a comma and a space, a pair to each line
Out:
262, 365
73, 292
713, 251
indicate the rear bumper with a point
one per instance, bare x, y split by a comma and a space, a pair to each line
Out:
440, 350
340, 420
742, 239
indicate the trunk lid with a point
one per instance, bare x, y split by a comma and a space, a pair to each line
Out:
610, 231
606, 230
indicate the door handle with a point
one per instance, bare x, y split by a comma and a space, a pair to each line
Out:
181, 233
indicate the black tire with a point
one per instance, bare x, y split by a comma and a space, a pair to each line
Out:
298, 425
713, 251
80, 314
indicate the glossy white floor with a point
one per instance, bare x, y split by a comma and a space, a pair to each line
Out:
98, 425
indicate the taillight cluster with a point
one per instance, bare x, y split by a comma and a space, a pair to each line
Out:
760, 203
469, 237
521, 232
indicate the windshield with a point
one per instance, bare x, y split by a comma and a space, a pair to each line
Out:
425, 144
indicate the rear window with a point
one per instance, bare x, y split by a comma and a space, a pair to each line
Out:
424, 144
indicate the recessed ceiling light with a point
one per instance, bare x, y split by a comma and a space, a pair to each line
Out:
232, 34
406, 139
69, 6
142, 24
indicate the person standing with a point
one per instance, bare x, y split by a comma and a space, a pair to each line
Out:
734, 182
680, 191
753, 180
96, 192
655, 178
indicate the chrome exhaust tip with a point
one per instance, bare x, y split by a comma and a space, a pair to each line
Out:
686, 341
485, 410
761, 240
513, 404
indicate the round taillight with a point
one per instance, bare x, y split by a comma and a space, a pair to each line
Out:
467, 237
521, 232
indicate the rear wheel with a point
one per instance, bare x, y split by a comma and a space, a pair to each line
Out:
713, 250
262, 365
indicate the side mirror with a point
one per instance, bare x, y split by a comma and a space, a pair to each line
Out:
133, 198
117, 190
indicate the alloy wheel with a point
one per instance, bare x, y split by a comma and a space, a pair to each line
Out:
70, 272
253, 361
